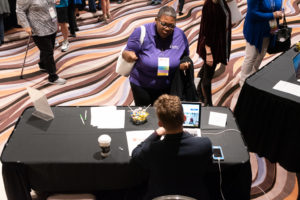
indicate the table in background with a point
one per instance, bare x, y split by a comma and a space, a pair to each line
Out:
63, 155
270, 119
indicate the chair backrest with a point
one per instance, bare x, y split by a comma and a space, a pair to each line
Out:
72, 197
173, 197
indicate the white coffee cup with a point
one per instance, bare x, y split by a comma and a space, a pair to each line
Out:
104, 142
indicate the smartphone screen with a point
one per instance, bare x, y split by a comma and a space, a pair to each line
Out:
218, 153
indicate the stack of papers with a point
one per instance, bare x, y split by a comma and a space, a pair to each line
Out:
134, 138
107, 117
288, 87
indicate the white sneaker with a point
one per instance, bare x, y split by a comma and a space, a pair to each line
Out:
56, 43
65, 46
59, 81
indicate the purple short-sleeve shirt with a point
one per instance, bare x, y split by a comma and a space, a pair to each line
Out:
144, 72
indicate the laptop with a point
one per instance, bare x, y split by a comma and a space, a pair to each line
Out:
192, 111
296, 62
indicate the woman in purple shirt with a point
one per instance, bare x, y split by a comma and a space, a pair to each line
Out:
157, 58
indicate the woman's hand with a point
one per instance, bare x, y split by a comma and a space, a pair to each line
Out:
209, 59
184, 66
278, 14
129, 56
28, 30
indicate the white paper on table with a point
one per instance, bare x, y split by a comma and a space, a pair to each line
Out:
217, 119
41, 105
107, 117
134, 138
288, 87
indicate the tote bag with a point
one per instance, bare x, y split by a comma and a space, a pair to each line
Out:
236, 15
123, 67
281, 40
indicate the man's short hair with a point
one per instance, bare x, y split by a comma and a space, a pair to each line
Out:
169, 111
166, 10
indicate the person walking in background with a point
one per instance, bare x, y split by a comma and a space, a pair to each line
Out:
157, 59
105, 6
181, 4
39, 19
178, 164
62, 18
71, 17
4, 10
260, 19
214, 44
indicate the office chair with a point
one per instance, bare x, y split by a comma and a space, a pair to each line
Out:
173, 197
71, 197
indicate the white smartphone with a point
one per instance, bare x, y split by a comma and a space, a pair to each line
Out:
218, 153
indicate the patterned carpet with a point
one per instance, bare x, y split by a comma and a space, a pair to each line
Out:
89, 67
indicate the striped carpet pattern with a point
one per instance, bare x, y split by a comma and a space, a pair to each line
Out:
89, 67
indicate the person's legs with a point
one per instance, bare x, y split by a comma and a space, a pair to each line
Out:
261, 55
71, 18
46, 47
181, 3
108, 8
199, 87
104, 10
140, 95
62, 17
208, 73
1, 29
92, 6
250, 58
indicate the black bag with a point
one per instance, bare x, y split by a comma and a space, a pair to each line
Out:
281, 39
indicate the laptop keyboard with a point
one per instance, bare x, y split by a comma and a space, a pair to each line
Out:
193, 131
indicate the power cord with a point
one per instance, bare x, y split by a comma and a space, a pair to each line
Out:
220, 172
223, 132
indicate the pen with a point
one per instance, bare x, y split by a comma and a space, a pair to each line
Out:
85, 113
82, 119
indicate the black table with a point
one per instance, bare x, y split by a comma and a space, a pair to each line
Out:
63, 155
270, 119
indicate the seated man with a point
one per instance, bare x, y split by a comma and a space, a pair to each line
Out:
178, 163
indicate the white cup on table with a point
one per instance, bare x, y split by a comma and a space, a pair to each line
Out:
104, 143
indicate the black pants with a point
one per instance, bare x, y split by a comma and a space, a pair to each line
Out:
71, 17
204, 87
46, 47
181, 3
145, 96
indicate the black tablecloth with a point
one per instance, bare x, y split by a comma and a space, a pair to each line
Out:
63, 155
270, 119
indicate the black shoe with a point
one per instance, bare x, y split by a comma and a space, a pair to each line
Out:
73, 35
152, 3
157, 2
180, 13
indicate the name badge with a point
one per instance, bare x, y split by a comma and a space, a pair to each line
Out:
163, 66
52, 13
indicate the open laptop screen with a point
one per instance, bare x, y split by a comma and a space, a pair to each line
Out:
296, 62
192, 111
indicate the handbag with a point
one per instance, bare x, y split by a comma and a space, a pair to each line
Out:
281, 40
236, 15
123, 67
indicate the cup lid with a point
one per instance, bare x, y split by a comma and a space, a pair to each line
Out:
104, 138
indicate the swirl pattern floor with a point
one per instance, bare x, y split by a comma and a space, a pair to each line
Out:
89, 67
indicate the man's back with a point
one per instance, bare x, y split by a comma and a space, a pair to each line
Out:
178, 164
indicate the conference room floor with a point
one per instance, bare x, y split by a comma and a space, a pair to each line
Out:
89, 68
